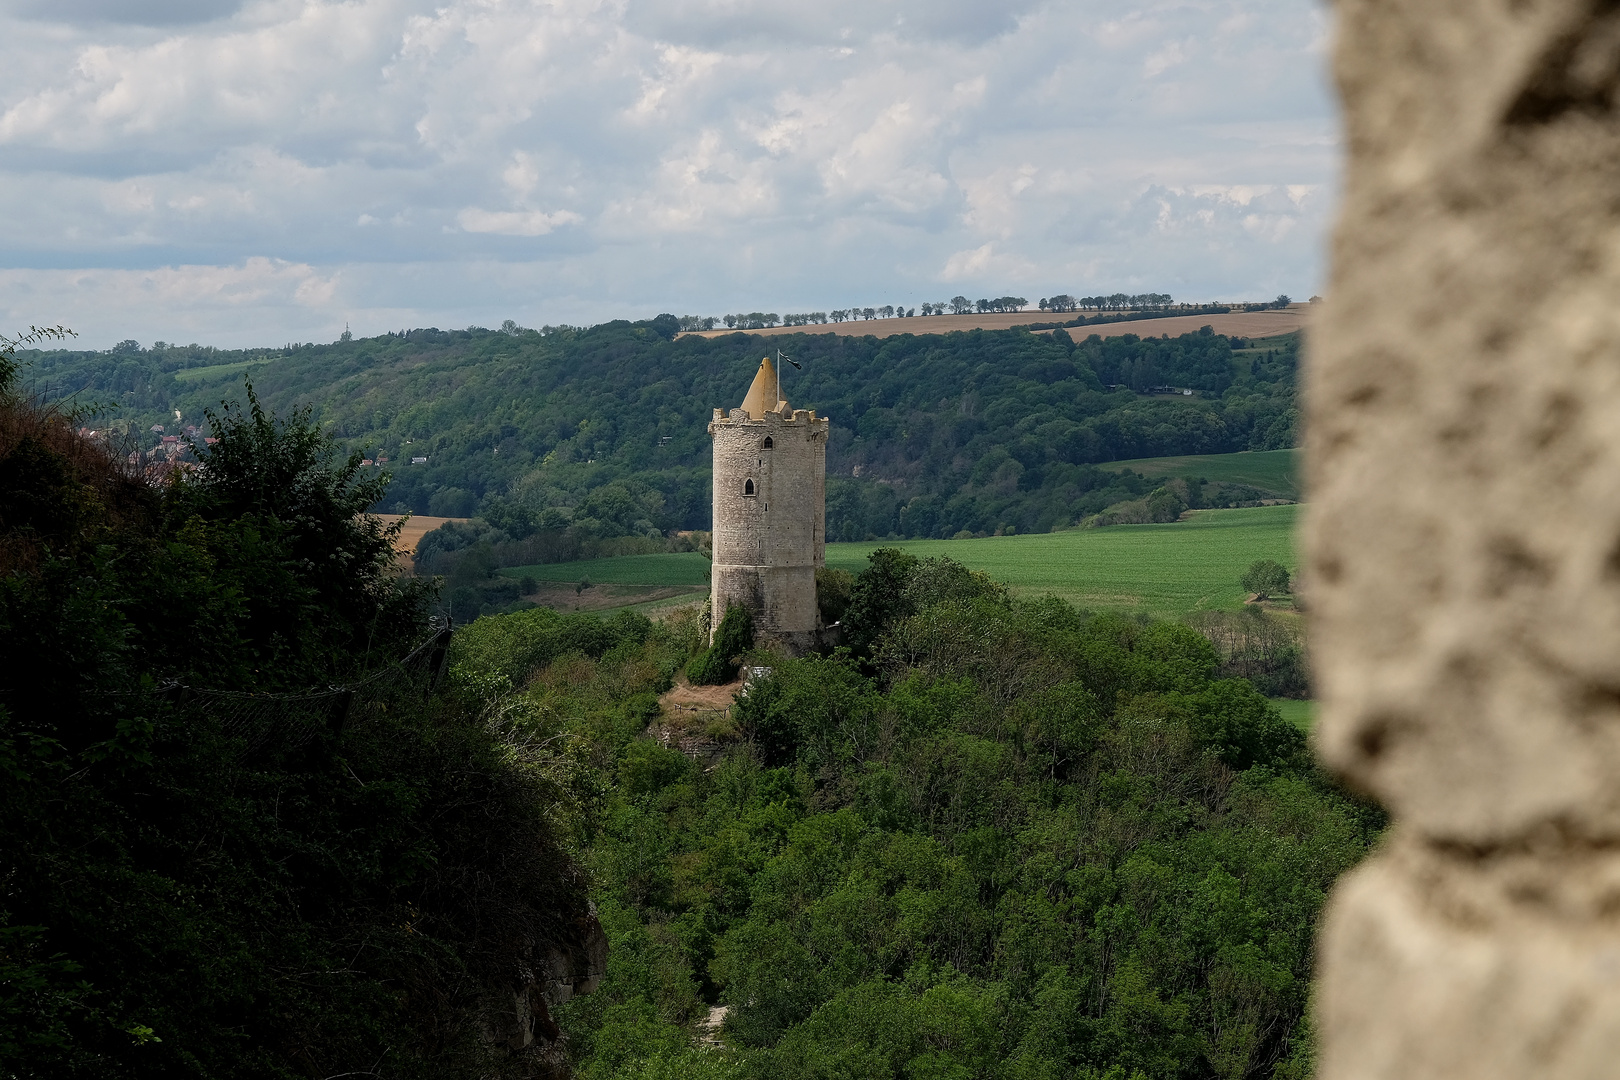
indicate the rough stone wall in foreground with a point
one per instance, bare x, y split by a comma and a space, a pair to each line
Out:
1463, 540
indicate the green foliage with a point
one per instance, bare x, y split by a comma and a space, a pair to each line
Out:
516, 646
877, 599
1011, 840
39, 994
818, 709
834, 589
1159, 506
686, 568
983, 431
239, 888
278, 481
1265, 648
10, 368
1265, 579
719, 664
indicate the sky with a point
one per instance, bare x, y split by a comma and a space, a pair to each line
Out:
257, 172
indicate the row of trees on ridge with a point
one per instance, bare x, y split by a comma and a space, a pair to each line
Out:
957, 305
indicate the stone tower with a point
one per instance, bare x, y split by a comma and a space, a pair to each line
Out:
770, 485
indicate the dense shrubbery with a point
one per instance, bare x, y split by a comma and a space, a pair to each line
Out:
719, 663
605, 429
998, 839
181, 897
467, 555
1256, 645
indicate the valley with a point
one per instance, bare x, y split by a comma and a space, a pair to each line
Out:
1166, 570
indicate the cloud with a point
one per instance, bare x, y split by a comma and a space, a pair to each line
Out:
202, 299
137, 12
514, 222
621, 157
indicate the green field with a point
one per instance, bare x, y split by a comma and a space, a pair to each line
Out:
1275, 471
1164, 569
1302, 714
200, 374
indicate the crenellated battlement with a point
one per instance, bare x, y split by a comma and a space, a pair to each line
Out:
796, 416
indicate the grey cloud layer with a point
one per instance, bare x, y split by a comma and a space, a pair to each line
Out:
266, 172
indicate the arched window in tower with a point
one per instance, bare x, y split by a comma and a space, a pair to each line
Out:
768, 443
748, 486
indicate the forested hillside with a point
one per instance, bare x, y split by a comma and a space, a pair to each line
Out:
604, 428
1000, 840
247, 831
242, 834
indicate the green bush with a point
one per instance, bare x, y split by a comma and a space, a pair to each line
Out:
1265, 579
833, 587
718, 664
518, 644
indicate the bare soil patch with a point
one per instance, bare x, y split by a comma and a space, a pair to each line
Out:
1249, 324
686, 697
696, 720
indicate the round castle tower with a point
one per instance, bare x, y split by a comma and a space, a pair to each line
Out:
770, 498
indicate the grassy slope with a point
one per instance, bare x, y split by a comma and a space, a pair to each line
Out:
683, 568
1302, 714
1269, 470
1165, 569
218, 371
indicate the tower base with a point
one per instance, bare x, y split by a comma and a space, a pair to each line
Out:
782, 600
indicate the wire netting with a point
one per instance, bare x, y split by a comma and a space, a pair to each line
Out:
290, 721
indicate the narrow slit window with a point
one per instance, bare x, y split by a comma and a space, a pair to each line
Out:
748, 486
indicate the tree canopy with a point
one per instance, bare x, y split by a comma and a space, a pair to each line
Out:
1265, 579
1003, 839
239, 837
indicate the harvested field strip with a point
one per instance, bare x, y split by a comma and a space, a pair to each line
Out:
656, 608
1251, 324
415, 528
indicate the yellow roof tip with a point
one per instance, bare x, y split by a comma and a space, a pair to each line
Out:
765, 395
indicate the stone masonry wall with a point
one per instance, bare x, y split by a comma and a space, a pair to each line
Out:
767, 545
1463, 540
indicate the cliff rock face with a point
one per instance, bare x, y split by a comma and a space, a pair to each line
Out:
1463, 539
548, 970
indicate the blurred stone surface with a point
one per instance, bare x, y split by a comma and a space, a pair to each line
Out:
1463, 539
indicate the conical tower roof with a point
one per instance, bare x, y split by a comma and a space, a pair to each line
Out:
766, 393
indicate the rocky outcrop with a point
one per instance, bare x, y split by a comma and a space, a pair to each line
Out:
548, 972
1463, 541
